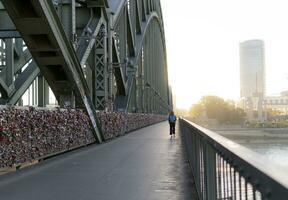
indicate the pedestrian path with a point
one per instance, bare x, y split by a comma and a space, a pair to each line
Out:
143, 165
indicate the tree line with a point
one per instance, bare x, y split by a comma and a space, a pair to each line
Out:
213, 107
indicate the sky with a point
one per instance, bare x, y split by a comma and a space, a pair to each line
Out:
202, 39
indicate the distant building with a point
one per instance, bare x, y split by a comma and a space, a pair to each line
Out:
252, 77
279, 103
252, 68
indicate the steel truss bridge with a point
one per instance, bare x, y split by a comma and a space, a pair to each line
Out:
111, 55
93, 54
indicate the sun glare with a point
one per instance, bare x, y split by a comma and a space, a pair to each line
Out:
203, 40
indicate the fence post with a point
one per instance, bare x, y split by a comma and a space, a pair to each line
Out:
210, 172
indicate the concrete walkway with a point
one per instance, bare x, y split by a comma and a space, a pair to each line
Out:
143, 165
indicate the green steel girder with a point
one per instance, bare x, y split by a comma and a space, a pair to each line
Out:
138, 18
22, 83
84, 46
119, 74
99, 72
8, 29
139, 43
85, 49
9, 34
52, 52
23, 78
23, 59
97, 3
130, 37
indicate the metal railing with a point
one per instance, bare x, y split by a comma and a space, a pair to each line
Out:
225, 170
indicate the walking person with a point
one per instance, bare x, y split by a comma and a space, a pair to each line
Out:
172, 122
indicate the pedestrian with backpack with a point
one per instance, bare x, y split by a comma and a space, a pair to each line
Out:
172, 122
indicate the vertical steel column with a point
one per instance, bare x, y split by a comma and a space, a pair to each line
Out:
145, 60
29, 96
142, 79
210, 172
105, 63
41, 89
92, 83
123, 41
1, 54
9, 58
100, 70
36, 91
133, 100
149, 71
152, 67
19, 46
88, 72
46, 93
138, 87
154, 71
133, 16
33, 93
110, 83
66, 12
157, 73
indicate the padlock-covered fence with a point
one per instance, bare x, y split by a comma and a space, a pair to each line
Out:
28, 133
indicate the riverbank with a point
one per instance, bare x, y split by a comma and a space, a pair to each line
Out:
263, 135
270, 142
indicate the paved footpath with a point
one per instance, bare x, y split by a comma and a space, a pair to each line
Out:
143, 165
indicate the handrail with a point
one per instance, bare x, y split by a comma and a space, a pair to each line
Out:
224, 169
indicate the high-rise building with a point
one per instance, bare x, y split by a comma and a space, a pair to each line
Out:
252, 68
252, 77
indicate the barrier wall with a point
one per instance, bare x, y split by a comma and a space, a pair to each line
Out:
116, 123
27, 133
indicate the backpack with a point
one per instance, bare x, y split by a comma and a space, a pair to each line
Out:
172, 118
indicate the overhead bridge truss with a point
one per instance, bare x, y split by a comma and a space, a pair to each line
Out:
93, 54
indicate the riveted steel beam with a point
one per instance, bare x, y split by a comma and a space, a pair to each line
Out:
52, 51
134, 56
131, 22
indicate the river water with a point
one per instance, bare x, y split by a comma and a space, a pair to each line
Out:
277, 153
272, 144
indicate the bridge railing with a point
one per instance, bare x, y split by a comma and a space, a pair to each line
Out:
226, 170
